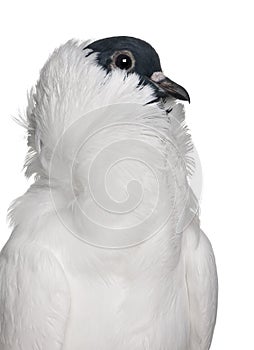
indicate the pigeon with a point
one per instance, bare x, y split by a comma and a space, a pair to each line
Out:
106, 250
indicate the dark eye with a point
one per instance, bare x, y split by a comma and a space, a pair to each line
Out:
123, 60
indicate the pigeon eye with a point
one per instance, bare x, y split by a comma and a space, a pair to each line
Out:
123, 60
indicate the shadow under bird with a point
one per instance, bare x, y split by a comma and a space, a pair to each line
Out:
106, 250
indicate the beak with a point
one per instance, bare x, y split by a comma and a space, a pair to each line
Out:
167, 87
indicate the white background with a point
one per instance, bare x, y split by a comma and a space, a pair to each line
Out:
205, 46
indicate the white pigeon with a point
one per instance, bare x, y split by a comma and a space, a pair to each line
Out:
106, 250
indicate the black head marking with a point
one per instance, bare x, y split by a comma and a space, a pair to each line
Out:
146, 58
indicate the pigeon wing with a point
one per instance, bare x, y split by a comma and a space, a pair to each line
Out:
202, 286
34, 298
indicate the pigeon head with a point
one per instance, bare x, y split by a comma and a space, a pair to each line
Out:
135, 55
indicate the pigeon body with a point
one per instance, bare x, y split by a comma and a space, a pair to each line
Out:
106, 250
